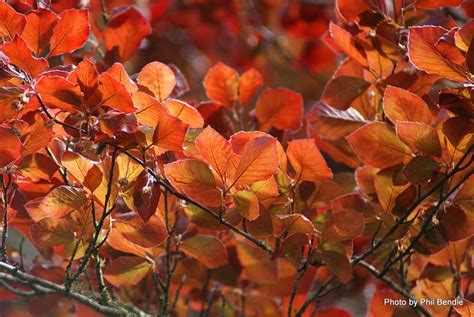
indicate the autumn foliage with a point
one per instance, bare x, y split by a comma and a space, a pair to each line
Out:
129, 190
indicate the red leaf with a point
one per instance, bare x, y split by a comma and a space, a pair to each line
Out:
124, 33
118, 72
70, 32
11, 22
113, 94
49, 232
57, 92
146, 195
436, 4
38, 29
420, 136
423, 54
147, 235
38, 136
10, 147
20, 55
280, 108
342, 226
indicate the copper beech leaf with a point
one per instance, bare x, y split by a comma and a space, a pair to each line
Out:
259, 161
149, 108
338, 264
70, 32
294, 223
221, 84
341, 91
158, 79
133, 228
49, 232
377, 145
20, 55
194, 178
345, 42
402, 105
419, 136
184, 112
249, 83
58, 92
342, 226
280, 108
126, 270
63, 200
118, 72
38, 29
465, 196
124, 32
10, 147
307, 161
38, 136
146, 195
11, 22
113, 94
208, 250
247, 204
215, 150
423, 54
169, 133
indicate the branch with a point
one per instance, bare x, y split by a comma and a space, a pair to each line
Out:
42, 286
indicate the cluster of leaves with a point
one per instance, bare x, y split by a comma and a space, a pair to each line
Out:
160, 205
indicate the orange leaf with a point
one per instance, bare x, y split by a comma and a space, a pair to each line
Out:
38, 29
169, 133
184, 112
63, 200
126, 271
280, 108
10, 147
149, 109
20, 55
207, 249
70, 32
307, 161
49, 232
194, 178
342, 226
467, 309
294, 223
247, 204
457, 223
463, 36
147, 235
113, 94
158, 79
344, 41
215, 150
221, 84
420, 136
424, 55
403, 105
57, 92
341, 91
86, 76
259, 161
146, 195
377, 145
38, 136
249, 83
124, 32
118, 72
11, 22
